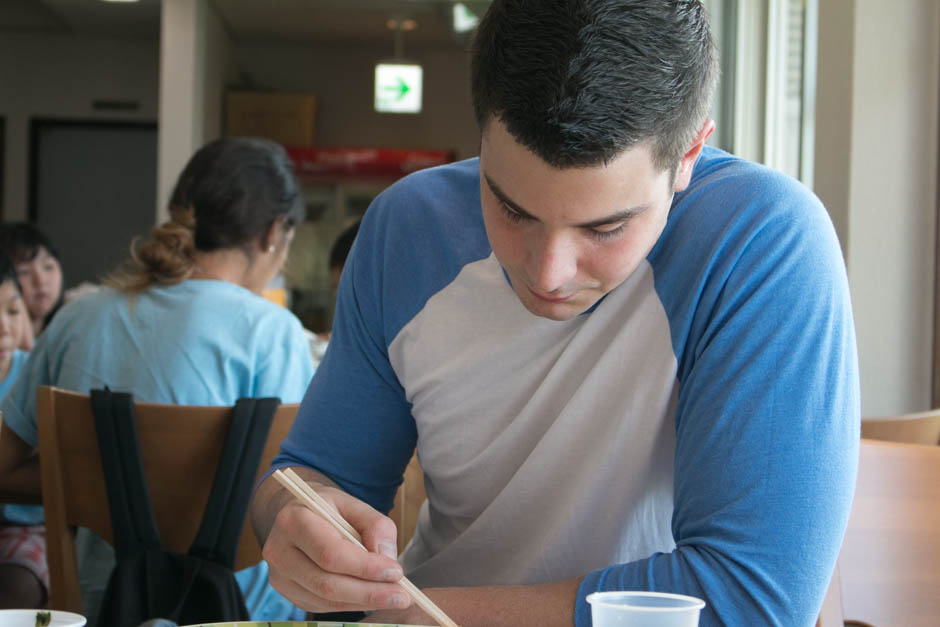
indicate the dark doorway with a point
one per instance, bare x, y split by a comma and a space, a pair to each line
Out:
92, 189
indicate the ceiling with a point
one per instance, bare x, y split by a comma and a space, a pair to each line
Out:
353, 22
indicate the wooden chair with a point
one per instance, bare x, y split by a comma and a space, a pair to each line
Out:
889, 565
15, 497
408, 502
180, 447
917, 428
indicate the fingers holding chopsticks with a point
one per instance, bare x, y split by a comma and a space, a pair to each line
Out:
316, 568
331, 512
378, 533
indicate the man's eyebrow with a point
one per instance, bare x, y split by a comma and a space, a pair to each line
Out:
619, 216
506, 200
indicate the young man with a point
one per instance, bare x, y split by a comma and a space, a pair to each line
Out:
627, 360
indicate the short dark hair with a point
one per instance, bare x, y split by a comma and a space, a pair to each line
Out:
343, 244
22, 241
580, 81
8, 271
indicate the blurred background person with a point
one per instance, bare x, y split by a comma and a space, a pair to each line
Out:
182, 323
338, 254
23, 573
340, 251
39, 269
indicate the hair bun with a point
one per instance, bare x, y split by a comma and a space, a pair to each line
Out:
185, 217
165, 256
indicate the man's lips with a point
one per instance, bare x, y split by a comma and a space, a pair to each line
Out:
551, 299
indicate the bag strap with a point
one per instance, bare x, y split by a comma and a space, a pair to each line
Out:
132, 521
221, 526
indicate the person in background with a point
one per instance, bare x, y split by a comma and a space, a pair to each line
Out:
338, 254
39, 268
627, 359
182, 323
340, 251
11, 310
24, 577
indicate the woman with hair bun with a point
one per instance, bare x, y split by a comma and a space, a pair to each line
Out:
182, 322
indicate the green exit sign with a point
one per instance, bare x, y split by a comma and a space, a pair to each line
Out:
398, 88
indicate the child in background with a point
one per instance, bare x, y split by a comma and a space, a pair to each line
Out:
23, 573
39, 268
11, 329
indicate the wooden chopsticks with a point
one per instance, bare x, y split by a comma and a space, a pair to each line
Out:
308, 496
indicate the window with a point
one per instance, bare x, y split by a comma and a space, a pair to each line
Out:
764, 103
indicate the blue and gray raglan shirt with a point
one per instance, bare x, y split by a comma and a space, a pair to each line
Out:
696, 432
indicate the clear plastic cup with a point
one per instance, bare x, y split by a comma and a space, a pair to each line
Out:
644, 609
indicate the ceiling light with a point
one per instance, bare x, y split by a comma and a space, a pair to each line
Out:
396, 24
119, 0
465, 20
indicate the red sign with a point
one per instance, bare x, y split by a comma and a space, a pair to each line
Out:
387, 163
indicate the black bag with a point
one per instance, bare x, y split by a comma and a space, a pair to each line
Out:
149, 581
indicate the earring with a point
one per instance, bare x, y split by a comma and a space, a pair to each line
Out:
271, 249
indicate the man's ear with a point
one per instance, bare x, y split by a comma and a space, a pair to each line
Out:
684, 171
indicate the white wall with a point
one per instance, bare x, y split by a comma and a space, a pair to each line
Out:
877, 131
194, 68
59, 76
218, 72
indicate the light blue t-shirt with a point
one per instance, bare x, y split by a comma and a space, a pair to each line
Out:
16, 364
199, 342
17, 514
695, 432
193, 343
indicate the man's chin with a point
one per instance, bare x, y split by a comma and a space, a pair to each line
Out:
558, 311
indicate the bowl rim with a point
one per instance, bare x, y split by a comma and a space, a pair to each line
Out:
59, 615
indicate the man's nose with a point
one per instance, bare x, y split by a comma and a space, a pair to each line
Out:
553, 263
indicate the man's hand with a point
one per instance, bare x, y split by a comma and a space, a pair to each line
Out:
312, 565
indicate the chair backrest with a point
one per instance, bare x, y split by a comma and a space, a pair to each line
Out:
180, 447
917, 428
16, 497
889, 564
408, 502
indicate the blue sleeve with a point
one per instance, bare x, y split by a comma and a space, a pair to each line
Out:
767, 422
354, 424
